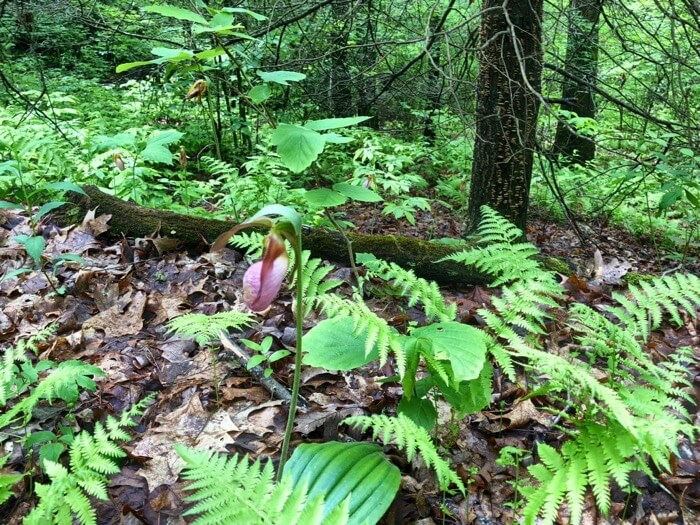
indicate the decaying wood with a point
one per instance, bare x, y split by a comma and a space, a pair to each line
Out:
137, 221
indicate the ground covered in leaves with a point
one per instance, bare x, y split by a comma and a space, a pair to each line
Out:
113, 311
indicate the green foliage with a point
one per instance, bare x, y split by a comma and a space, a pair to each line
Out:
358, 473
330, 483
611, 430
502, 257
377, 331
205, 329
62, 382
642, 309
335, 344
417, 289
313, 284
405, 434
92, 458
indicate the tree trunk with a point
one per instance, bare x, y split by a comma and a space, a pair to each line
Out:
340, 83
510, 71
582, 63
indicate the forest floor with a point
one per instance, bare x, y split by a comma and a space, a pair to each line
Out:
113, 315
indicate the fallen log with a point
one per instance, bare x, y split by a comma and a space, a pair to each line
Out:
132, 220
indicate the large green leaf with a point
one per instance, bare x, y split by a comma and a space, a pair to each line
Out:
334, 123
157, 153
176, 12
333, 344
46, 208
164, 137
170, 53
281, 77
65, 186
420, 410
297, 146
462, 345
244, 11
131, 65
156, 146
338, 470
34, 245
357, 193
324, 198
468, 397
260, 93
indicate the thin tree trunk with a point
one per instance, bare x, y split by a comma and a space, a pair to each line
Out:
510, 72
581, 62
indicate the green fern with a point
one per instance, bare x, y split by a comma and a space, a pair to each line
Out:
377, 330
417, 290
218, 168
205, 329
92, 458
251, 495
252, 243
643, 306
405, 434
502, 258
617, 425
12, 383
63, 383
313, 285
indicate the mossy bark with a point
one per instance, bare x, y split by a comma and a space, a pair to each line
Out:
133, 220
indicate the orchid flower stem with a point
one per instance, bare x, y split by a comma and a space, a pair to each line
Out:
348, 244
297, 362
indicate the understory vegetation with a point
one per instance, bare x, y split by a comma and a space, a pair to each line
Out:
344, 117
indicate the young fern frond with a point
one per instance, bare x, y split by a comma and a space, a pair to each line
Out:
250, 496
377, 330
405, 434
313, 285
642, 309
417, 289
205, 329
92, 458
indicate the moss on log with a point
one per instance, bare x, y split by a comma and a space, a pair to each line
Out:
133, 220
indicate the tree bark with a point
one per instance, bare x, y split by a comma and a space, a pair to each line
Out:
133, 220
510, 72
582, 63
340, 83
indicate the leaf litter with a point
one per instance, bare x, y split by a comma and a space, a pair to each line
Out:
113, 314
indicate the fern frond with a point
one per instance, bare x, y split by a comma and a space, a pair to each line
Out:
377, 330
205, 329
313, 284
643, 307
11, 385
251, 495
413, 439
218, 168
250, 242
92, 458
418, 290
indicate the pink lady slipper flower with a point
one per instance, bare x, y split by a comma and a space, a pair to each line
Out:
263, 280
